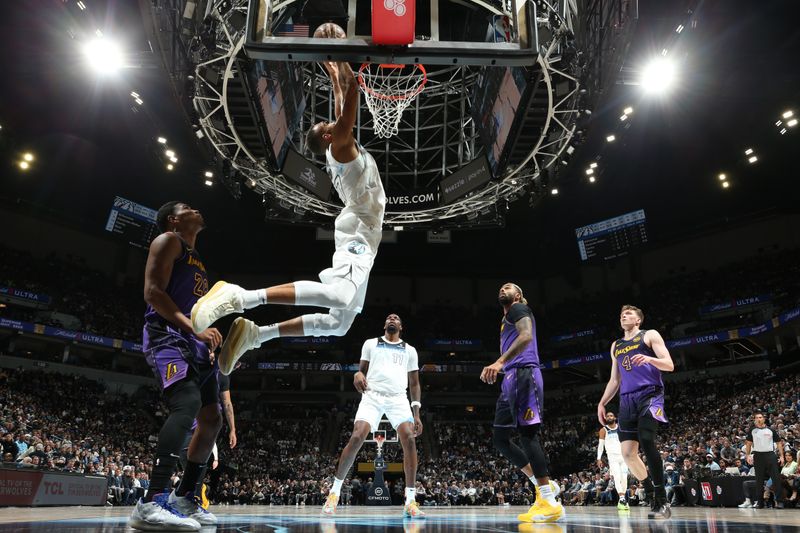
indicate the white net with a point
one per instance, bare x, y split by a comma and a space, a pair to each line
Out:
389, 90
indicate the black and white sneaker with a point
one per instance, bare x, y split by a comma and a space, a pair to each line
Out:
660, 510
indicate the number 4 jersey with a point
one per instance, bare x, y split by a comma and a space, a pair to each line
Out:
634, 377
389, 365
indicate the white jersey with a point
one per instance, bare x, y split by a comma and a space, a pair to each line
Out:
389, 365
358, 227
613, 446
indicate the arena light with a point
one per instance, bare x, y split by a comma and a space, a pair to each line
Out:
611, 138
623, 118
658, 76
173, 159
209, 174
679, 28
162, 140
752, 159
27, 156
792, 123
170, 166
788, 114
554, 191
209, 183
103, 56
589, 171
722, 177
627, 111
726, 184
748, 151
169, 153
24, 165
81, 5
592, 179
593, 165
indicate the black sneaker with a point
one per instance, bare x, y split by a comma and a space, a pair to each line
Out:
660, 510
779, 505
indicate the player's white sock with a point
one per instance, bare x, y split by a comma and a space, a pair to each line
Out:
411, 495
547, 493
267, 333
533, 480
255, 298
337, 486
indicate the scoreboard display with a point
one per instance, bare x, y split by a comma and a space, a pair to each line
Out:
612, 238
133, 222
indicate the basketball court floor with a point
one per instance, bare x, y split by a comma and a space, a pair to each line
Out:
258, 519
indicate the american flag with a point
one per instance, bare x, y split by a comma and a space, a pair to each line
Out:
292, 30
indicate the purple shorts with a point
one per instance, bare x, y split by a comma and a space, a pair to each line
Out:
647, 402
521, 398
170, 352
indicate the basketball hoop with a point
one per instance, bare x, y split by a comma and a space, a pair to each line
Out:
389, 90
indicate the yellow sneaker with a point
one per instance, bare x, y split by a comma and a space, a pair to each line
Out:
330, 504
412, 510
546, 512
534, 509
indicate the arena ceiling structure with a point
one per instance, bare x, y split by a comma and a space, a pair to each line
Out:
443, 134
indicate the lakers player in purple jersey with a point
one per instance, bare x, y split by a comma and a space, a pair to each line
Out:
175, 278
637, 360
519, 406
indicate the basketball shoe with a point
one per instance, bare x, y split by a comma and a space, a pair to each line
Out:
159, 515
542, 511
223, 299
412, 510
242, 336
623, 505
329, 509
660, 509
189, 505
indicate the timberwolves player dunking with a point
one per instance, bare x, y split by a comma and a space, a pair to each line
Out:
357, 235
637, 360
173, 281
519, 406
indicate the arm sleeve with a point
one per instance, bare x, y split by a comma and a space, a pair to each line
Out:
413, 359
215, 452
601, 444
518, 312
366, 350
224, 382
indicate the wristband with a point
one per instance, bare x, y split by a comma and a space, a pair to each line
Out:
415, 403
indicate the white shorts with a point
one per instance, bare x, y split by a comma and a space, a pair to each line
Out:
373, 406
353, 269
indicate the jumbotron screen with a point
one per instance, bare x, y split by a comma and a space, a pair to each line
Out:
613, 237
135, 223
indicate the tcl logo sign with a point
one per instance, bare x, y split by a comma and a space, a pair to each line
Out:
53, 488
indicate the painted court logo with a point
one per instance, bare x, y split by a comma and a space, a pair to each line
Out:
397, 6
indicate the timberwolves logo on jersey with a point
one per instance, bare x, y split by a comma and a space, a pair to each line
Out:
356, 248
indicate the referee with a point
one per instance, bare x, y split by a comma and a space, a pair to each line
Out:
761, 439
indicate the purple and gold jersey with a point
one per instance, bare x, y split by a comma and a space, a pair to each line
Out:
187, 283
508, 334
632, 377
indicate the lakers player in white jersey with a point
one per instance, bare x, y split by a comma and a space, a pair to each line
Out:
609, 440
388, 367
357, 235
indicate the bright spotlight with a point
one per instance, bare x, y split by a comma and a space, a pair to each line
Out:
628, 110
726, 184
209, 174
792, 123
209, 183
27, 156
103, 56
748, 151
24, 165
591, 179
611, 138
658, 76
170, 166
788, 114
554, 191
169, 153
589, 171
173, 159
593, 165
752, 159
722, 177
162, 140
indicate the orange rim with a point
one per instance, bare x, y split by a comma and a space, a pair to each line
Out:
410, 94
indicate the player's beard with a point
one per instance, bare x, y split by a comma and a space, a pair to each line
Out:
391, 328
504, 300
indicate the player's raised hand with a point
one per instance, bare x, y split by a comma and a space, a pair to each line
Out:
329, 30
360, 382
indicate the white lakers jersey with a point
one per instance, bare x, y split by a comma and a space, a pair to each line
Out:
389, 365
358, 227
